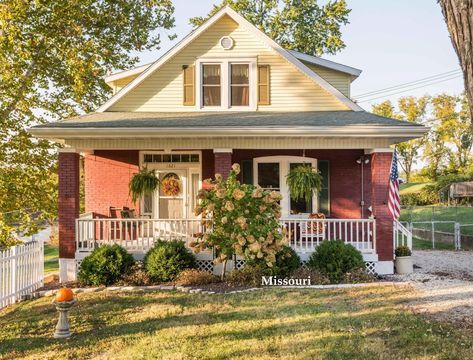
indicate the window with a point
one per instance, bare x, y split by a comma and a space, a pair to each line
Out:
240, 84
225, 84
211, 85
270, 173
171, 158
268, 176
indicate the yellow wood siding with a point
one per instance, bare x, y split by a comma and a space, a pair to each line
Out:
121, 83
290, 89
337, 79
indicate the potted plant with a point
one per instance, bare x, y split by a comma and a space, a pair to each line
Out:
142, 183
303, 181
403, 260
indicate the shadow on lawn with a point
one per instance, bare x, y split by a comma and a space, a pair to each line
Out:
93, 314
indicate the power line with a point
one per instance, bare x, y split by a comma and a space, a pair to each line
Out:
411, 83
410, 89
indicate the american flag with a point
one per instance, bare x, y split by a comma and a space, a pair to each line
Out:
394, 200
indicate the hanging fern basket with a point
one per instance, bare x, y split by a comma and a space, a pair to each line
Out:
303, 182
143, 183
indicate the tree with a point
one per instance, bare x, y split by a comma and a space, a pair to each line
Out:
410, 109
53, 57
458, 15
301, 25
454, 126
239, 219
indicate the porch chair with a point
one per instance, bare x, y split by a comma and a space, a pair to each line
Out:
314, 230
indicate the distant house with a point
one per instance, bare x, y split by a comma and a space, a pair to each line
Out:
226, 94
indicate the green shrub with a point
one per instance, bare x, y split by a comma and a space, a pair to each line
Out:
105, 265
167, 259
422, 198
335, 258
192, 277
403, 251
287, 261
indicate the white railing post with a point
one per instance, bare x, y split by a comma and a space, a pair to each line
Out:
457, 236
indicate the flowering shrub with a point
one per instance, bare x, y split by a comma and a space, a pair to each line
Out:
239, 219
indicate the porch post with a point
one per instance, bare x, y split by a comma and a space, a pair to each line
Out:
223, 161
380, 171
68, 211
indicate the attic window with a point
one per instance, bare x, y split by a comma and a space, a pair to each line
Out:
226, 42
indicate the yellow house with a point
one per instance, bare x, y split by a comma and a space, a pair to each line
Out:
226, 94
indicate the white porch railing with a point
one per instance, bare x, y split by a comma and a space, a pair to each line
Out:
139, 235
21, 271
401, 235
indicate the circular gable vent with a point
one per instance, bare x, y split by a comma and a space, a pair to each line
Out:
226, 42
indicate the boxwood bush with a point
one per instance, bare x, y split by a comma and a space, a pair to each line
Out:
105, 265
335, 259
167, 259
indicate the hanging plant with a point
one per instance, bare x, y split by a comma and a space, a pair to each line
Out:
303, 181
142, 183
171, 185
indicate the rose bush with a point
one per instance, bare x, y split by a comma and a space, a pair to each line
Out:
239, 219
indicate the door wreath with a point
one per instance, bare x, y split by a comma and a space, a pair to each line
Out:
171, 185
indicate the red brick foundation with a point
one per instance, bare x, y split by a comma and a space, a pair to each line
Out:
68, 202
380, 171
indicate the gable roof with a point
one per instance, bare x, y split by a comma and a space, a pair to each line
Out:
317, 79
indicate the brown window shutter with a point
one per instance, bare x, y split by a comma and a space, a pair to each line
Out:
189, 87
263, 85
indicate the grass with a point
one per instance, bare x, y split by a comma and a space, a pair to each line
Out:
461, 214
51, 255
410, 188
422, 244
361, 323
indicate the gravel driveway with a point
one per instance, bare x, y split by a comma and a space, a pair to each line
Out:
444, 284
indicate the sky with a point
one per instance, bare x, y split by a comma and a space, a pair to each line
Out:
393, 42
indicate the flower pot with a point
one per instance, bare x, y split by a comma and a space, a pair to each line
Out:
404, 265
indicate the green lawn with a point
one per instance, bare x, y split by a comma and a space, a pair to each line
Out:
409, 188
51, 255
463, 215
422, 244
362, 323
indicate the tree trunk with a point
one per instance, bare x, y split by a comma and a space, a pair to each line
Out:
224, 263
458, 15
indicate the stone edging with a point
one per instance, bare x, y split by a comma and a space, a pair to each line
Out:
191, 290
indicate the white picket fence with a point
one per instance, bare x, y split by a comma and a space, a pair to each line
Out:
21, 271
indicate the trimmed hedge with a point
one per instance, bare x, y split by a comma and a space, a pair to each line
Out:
334, 258
167, 259
105, 265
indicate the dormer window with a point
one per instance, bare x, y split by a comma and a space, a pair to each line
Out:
226, 84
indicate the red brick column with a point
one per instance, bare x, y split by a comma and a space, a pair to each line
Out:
380, 171
223, 161
68, 202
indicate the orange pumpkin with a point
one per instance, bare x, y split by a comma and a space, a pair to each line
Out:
64, 294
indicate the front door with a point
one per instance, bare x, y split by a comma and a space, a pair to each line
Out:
172, 194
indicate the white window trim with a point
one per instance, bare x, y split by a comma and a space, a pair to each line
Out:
225, 83
284, 162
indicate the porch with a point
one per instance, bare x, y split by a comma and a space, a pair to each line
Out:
353, 200
137, 236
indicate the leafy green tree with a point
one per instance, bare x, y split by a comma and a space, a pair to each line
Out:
454, 126
301, 25
410, 109
53, 57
